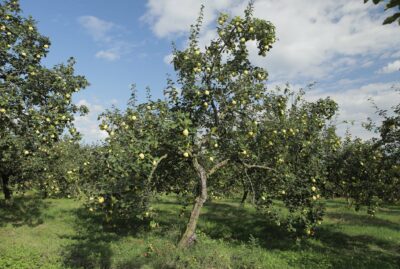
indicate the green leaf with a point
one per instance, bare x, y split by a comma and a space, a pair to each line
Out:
392, 18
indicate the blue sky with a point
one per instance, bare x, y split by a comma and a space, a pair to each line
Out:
339, 44
141, 52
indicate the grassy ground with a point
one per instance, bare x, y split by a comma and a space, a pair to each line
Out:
50, 233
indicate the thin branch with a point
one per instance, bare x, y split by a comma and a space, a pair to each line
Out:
259, 167
217, 166
155, 167
215, 110
251, 184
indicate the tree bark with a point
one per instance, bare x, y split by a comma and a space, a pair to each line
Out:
6, 188
189, 235
244, 197
349, 202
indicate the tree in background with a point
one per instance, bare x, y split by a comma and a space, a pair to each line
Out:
35, 101
59, 170
355, 172
367, 172
292, 140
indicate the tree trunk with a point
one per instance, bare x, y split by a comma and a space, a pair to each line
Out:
6, 188
189, 236
349, 202
244, 197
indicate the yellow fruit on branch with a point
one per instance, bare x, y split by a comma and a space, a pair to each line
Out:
313, 188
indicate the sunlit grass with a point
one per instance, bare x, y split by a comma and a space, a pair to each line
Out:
60, 233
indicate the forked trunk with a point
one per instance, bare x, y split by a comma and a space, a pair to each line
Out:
189, 236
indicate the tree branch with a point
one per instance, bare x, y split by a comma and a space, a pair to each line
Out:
258, 167
155, 167
217, 166
252, 188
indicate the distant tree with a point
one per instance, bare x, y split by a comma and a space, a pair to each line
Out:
58, 170
35, 101
367, 173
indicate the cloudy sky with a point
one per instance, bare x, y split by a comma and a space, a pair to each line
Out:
340, 45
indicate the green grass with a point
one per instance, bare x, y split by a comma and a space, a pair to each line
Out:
60, 233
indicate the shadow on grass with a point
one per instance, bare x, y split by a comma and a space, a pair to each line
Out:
353, 251
390, 210
365, 220
236, 225
25, 210
91, 247
224, 221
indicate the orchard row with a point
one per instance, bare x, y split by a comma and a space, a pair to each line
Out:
218, 132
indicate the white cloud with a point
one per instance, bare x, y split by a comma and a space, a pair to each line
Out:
168, 58
390, 67
107, 55
168, 17
97, 28
114, 101
321, 41
355, 105
316, 38
108, 36
88, 125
